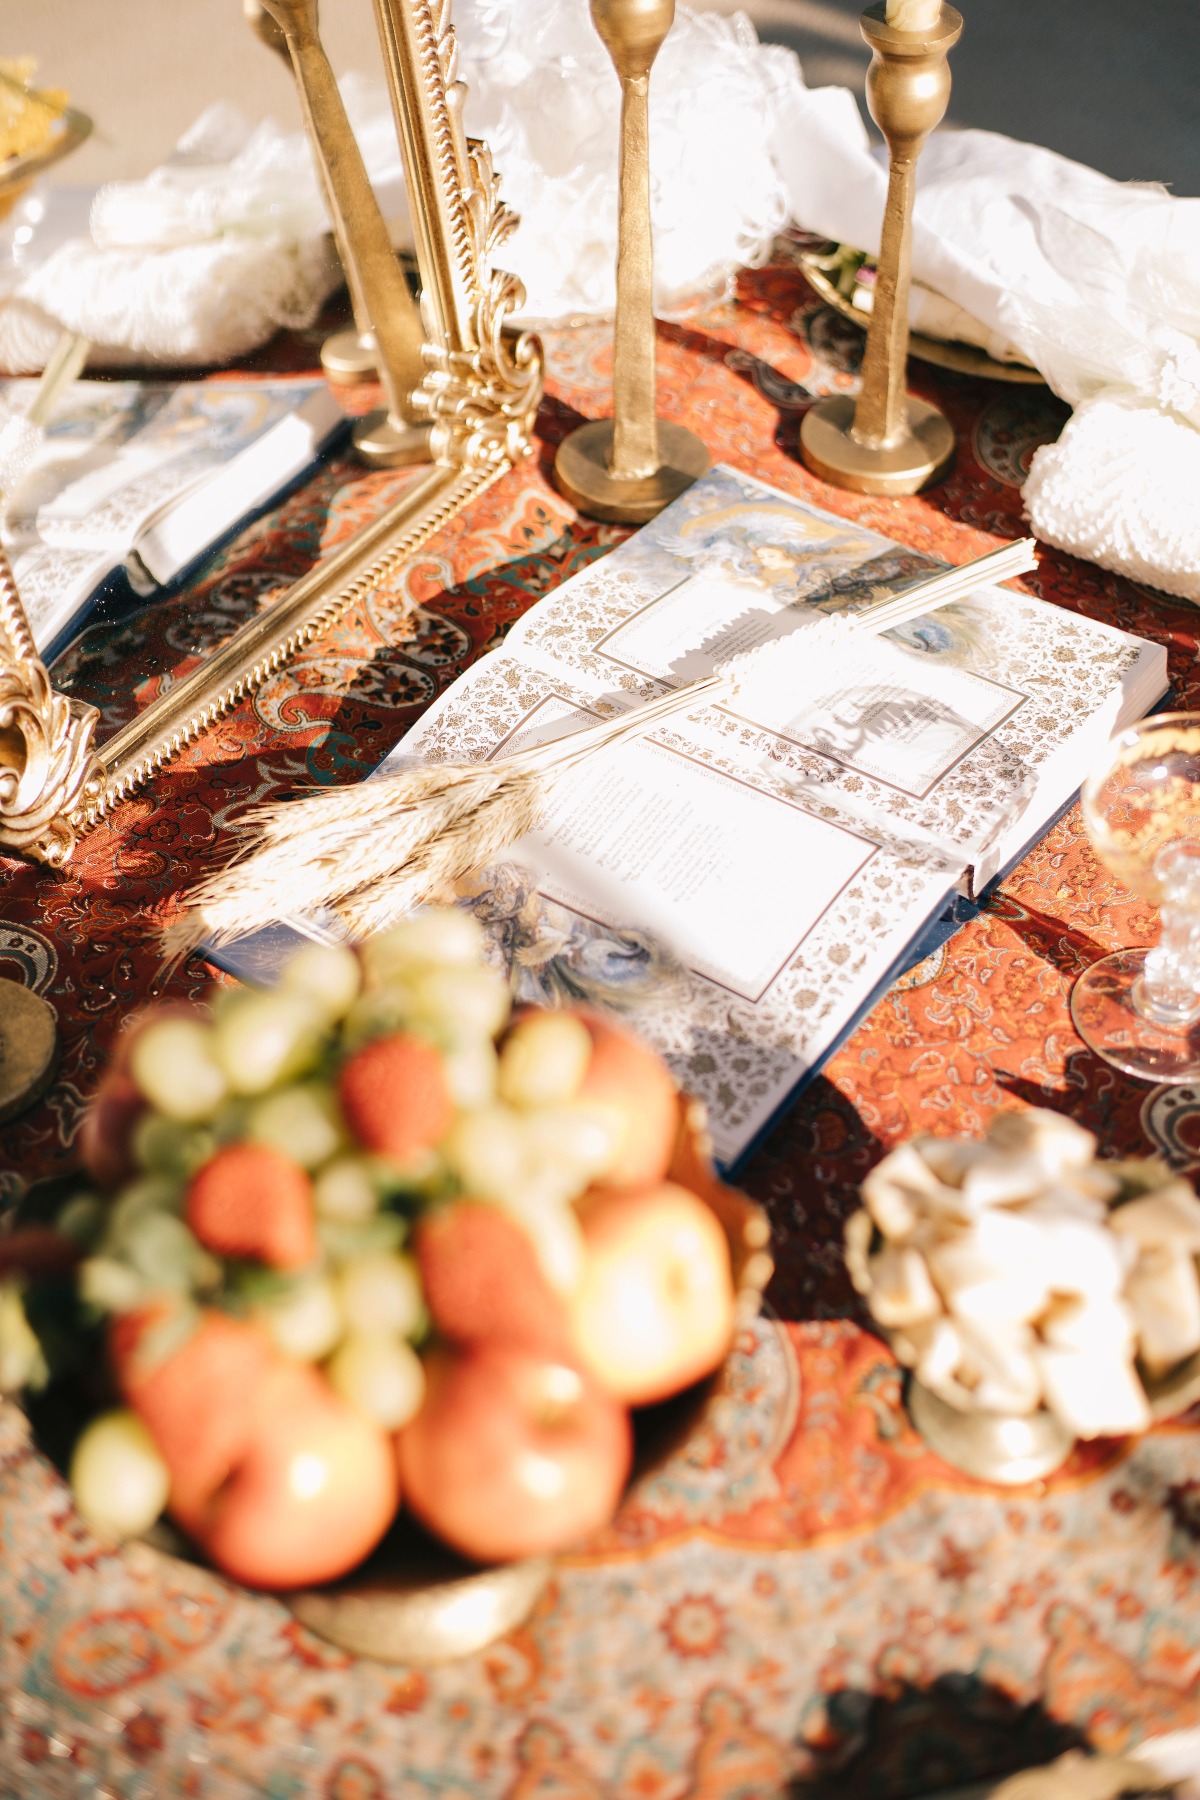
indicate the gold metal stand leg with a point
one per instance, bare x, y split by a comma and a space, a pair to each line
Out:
384, 309
347, 356
889, 442
629, 467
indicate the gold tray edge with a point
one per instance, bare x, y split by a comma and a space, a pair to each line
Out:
962, 359
18, 171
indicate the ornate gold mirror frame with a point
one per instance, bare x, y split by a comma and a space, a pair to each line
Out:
474, 402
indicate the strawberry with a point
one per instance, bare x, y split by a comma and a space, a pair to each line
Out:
250, 1200
197, 1398
395, 1097
483, 1281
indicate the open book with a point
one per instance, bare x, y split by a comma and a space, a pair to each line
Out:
741, 887
137, 480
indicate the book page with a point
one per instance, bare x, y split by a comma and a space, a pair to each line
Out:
963, 710
737, 929
716, 868
121, 456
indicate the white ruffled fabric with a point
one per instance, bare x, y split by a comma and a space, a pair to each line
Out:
1094, 281
543, 92
206, 258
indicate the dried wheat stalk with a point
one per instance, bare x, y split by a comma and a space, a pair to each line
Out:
374, 851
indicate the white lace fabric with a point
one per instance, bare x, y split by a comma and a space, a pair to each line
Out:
206, 258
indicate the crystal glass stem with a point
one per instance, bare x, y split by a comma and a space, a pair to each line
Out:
1169, 993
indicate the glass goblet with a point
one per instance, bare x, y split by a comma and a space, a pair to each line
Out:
1140, 1009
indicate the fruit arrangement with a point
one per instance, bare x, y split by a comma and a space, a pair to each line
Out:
367, 1240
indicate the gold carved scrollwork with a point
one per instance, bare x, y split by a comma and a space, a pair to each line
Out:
473, 392
48, 767
483, 379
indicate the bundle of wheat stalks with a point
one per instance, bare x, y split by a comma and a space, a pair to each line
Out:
372, 852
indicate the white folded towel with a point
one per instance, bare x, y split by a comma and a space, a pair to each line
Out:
1121, 487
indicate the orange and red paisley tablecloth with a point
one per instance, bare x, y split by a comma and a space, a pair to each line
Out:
807, 1596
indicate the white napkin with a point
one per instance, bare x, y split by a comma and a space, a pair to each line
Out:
1095, 282
206, 258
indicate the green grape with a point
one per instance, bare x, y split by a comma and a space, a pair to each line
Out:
262, 1039
163, 1146
327, 973
83, 1219
381, 1375
569, 1145
303, 1122
118, 1477
486, 1150
344, 1190
165, 1254
305, 1322
109, 1284
21, 1361
471, 1073
463, 1004
228, 1123
380, 1291
343, 1242
555, 1233
147, 1193
436, 935
544, 1059
174, 1064
377, 1014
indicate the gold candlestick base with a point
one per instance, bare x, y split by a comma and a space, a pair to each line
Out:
581, 470
387, 443
919, 456
349, 357
886, 442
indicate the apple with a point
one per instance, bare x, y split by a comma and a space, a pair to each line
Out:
631, 1082
395, 1097
512, 1454
483, 1281
312, 1494
654, 1310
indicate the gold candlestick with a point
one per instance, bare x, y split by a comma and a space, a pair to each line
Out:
347, 356
889, 442
387, 438
629, 467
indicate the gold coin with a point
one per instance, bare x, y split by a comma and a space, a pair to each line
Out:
28, 1047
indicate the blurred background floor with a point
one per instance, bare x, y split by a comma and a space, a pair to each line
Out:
1111, 84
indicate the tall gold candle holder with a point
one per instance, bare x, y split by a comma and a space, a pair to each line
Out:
389, 437
348, 355
889, 442
629, 467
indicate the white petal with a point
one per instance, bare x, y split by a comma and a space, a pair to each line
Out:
1058, 1142
1164, 1295
1094, 1396
1101, 1324
1009, 1379
1169, 1217
992, 1270
1077, 1256
901, 1292
900, 1189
